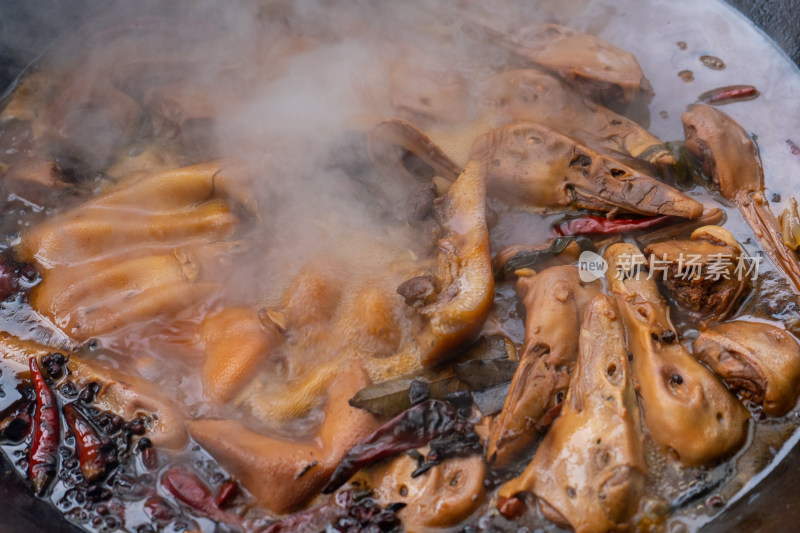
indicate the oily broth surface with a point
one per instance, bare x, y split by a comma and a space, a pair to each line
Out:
650, 30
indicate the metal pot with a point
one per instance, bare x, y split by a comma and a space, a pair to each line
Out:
25, 31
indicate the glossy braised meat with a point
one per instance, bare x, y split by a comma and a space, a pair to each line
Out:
589, 471
263, 462
533, 95
464, 277
732, 160
147, 248
554, 300
400, 149
237, 343
314, 306
595, 67
705, 274
759, 361
533, 167
149, 257
442, 497
686, 409
513, 96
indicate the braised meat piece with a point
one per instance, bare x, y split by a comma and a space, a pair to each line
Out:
701, 273
554, 300
534, 95
588, 473
731, 158
533, 167
759, 361
595, 67
143, 249
463, 275
686, 409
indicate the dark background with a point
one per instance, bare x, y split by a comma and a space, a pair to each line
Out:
28, 27
780, 19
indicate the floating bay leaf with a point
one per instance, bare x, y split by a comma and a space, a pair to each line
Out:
531, 258
480, 375
489, 362
390, 398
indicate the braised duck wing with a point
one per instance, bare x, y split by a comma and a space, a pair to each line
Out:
759, 361
701, 273
531, 166
686, 408
398, 148
588, 473
555, 300
462, 287
529, 94
731, 158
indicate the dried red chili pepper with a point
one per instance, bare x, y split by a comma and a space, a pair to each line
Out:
549, 417
93, 463
158, 509
43, 460
728, 95
190, 489
598, 225
512, 508
413, 428
227, 492
150, 458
